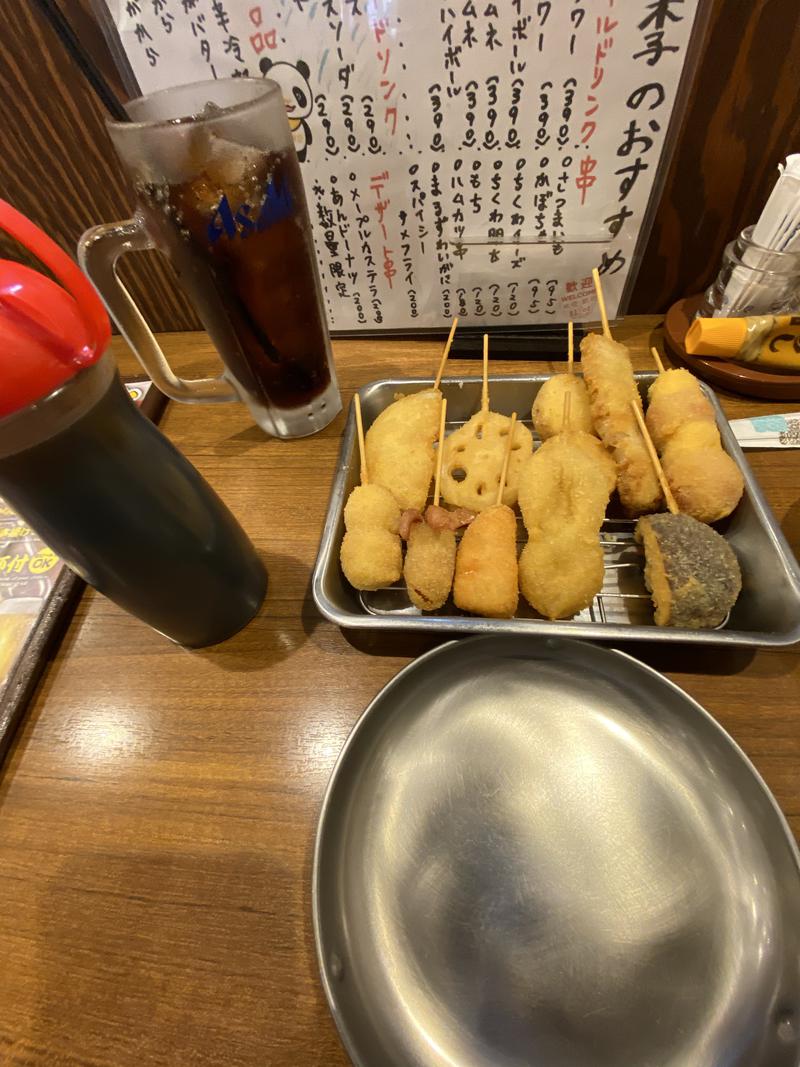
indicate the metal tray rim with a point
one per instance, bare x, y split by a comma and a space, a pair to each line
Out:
460, 624
385, 692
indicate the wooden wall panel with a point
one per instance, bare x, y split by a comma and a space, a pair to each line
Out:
743, 117
56, 161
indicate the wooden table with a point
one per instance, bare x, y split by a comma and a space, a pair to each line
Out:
158, 809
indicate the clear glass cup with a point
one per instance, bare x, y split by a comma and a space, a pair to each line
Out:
753, 280
219, 193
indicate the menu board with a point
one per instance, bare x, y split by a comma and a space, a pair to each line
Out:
461, 157
28, 572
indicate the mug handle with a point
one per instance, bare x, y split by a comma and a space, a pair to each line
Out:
98, 251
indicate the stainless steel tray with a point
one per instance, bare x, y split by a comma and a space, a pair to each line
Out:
544, 852
767, 612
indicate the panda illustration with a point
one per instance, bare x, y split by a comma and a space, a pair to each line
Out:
297, 95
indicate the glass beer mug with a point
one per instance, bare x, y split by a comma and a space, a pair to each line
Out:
219, 193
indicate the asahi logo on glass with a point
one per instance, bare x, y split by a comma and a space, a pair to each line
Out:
277, 204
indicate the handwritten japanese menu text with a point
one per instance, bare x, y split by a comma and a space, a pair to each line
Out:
461, 158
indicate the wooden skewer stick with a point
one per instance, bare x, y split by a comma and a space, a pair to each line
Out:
362, 448
565, 413
445, 354
439, 455
601, 302
651, 450
570, 349
485, 389
657, 359
506, 458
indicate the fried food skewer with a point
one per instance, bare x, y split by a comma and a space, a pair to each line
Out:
548, 406
690, 570
601, 302
431, 553
504, 469
445, 354
485, 384
564, 491
399, 443
608, 373
437, 481
486, 581
474, 454
371, 553
362, 448
704, 479
651, 451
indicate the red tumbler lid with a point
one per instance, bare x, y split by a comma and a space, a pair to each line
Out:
47, 333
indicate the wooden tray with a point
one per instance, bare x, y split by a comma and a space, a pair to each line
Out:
735, 377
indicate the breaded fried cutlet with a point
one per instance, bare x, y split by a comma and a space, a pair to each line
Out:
486, 565
399, 447
691, 571
564, 491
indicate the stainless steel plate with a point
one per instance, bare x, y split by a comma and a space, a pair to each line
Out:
541, 852
767, 612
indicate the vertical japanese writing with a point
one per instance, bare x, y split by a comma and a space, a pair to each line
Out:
604, 42
642, 120
377, 184
389, 93
366, 257
461, 157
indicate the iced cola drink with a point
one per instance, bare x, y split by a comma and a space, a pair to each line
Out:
219, 192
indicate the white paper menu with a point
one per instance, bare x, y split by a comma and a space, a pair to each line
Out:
460, 157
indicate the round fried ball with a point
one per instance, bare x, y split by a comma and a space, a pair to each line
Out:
372, 506
371, 558
549, 407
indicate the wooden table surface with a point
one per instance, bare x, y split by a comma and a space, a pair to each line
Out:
158, 808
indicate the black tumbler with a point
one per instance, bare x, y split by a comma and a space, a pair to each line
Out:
125, 510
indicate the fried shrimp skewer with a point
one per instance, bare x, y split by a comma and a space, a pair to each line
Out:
608, 373
474, 454
400, 442
705, 480
486, 580
371, 554
550, 414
